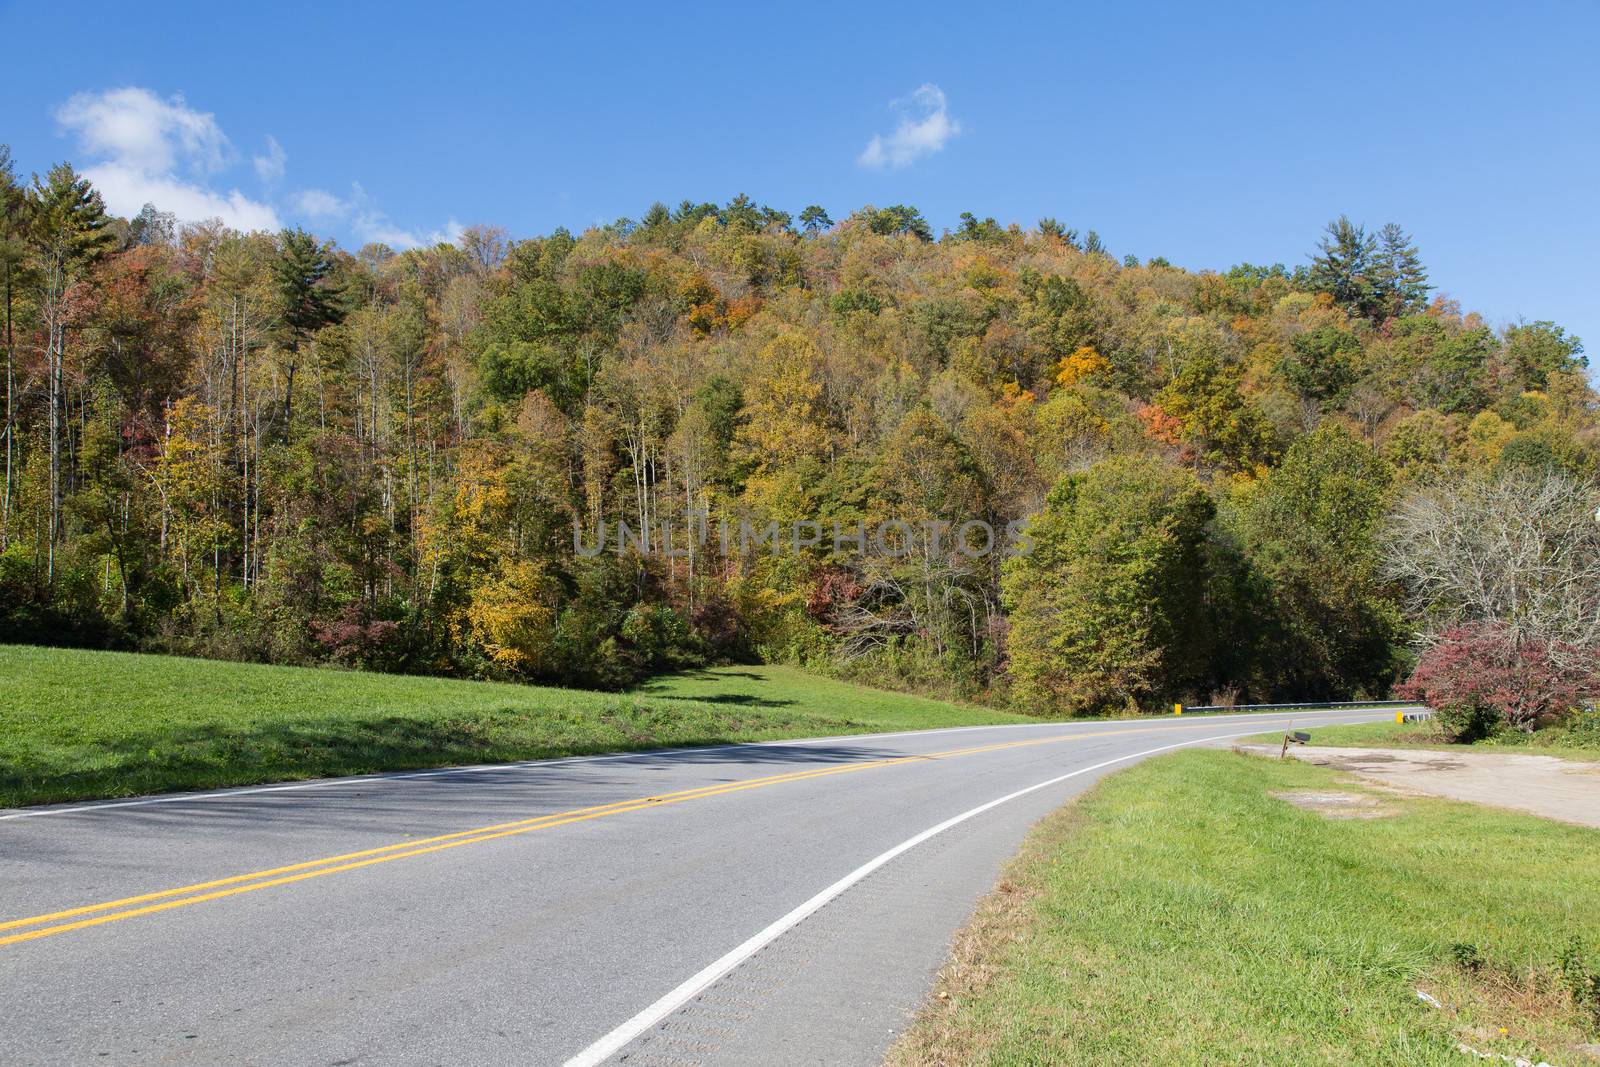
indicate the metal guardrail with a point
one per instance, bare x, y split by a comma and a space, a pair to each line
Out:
1184, 709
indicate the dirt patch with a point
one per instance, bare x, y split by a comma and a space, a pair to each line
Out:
1336, 805
1538, 784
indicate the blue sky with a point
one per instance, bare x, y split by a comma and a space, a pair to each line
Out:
1209, 134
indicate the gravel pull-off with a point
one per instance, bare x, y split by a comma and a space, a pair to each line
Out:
1541, 785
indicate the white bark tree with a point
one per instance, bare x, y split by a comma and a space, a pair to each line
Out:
1521, 550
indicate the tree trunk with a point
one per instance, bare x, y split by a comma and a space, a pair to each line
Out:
53, 360
11, 392
288, 399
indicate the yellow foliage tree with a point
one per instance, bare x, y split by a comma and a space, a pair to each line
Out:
188, 477
782, 404
512, 616
1487, 436
1083, 363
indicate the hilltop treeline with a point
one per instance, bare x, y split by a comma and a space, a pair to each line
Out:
262, 446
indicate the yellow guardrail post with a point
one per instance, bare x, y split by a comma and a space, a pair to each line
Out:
1399, 716
1177, 709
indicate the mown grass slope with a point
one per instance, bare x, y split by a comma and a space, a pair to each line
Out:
77, 724
1180, 913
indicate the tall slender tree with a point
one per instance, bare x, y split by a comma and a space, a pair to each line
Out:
13, 205
307, 300
68, 231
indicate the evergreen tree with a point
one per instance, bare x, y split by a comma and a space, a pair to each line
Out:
896, 219
1050, 227
1343, 269
974, 230
815, 219
307, 302
741, 214
657, 217
1399, 282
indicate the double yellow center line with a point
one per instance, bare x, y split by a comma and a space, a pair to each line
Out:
60, 922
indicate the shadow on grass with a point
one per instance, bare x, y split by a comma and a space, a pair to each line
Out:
749, 700
698, 674
214, 756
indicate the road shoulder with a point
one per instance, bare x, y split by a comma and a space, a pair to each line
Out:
1185, 911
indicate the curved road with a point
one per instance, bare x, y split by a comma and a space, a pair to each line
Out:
775, 903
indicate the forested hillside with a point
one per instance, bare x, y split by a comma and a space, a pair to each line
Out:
260, 446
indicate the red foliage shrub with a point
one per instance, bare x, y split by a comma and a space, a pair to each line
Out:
832, 589
355, 639
1479, 676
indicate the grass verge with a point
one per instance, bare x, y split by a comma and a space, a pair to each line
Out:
1564, 744
1180, 914
76, 724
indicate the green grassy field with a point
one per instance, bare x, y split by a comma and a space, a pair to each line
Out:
1180, 914
77, 724
1565, 744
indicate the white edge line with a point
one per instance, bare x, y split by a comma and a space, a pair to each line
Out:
619, 1038
522, 765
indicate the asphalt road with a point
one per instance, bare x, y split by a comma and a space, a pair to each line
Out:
763, 904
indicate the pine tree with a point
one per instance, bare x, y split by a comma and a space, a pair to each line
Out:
1399, 282
1051, 227
815, 219
1343, 270
306, 302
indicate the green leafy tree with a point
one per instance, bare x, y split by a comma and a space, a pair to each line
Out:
896, 220
927, 478
1104, 608
1220, 427
1531, 352
1330, 627
658, 217
1322, 364
974, 230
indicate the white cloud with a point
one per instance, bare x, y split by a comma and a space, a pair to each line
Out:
158, 152
925, 126
147, 150
375, 226
138, 128
269, 167
319, 204
369, 223
127, 189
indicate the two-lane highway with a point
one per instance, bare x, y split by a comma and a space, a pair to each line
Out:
776, 903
